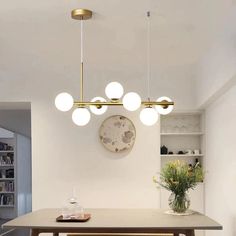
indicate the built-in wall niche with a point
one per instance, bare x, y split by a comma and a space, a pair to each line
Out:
183, 135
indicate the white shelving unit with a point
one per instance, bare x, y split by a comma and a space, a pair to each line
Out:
181, 132
15, 187
7, 173
184, 132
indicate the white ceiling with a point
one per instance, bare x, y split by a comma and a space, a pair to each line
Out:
38, 36
14, 105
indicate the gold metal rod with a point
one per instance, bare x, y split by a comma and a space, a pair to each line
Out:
121, 234
145, 103
81, 81
154, 103
98, 103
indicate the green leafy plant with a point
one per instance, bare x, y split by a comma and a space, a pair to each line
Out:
178, 177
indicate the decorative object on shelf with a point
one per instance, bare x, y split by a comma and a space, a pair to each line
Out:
196, 151
7, 186
114, 91
10, 173
164, 150
178, 177
117, 133
7, 159
197, 163
170, 153
6, 200
188, 152
5, 147
180, 152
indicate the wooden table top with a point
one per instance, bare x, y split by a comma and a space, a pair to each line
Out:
116, 220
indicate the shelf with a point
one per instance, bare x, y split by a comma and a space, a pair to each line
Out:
184, 155
4, 192
7, 206
10, 165
9, 151
10, 179
184, 134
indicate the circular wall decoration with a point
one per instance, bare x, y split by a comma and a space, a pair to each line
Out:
117, 133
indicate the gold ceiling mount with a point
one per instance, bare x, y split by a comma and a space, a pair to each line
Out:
81, 14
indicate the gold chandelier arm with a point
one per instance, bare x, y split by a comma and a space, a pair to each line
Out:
145, 103
154, 103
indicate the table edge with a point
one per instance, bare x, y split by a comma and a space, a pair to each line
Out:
112, 229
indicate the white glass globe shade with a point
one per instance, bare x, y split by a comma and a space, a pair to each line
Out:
162, 110
131, 101
149, 116
114, 90
64, 101
98, 110
81, 116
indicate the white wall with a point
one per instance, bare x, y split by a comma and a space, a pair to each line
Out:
18, 121
216, 91
221, 163
217, 69
65, 156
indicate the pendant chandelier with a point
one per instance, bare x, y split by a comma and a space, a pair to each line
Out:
114, 91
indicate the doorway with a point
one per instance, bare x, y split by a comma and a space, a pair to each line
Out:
15, 162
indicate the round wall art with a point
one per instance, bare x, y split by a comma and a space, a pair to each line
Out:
117, 133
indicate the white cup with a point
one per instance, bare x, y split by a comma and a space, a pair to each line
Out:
189, 152
196, 151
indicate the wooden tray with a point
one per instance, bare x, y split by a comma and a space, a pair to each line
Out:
84, 219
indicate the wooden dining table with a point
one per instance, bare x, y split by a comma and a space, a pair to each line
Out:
118, 222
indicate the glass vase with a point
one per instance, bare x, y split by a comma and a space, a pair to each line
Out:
179, 203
